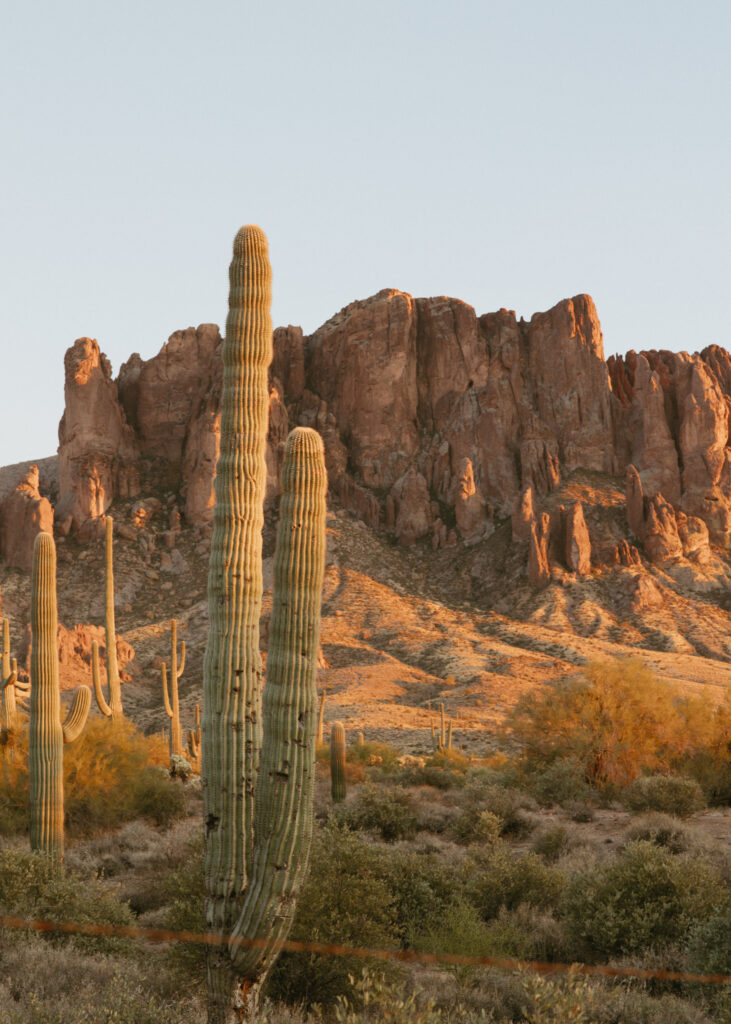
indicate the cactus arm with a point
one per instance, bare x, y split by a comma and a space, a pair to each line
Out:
115, 688
165, 697
96, 680
11, 680
283, 821
77, 715
45, 732
337, 762
181, 666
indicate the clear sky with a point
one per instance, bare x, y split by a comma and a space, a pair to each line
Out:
507, 153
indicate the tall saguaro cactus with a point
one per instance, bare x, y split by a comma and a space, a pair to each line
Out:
337, 762
258, 799
10, 688
47, 733
112, 708
171, 700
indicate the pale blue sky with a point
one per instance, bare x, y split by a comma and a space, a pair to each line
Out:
506, 153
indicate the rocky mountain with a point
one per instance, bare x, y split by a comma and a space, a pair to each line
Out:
494, 461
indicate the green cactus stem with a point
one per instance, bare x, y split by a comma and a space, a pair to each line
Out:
321, 719
47, 733
171, 701
11, 689
442, 733
113, 707
251, 812
337, 762
449, 735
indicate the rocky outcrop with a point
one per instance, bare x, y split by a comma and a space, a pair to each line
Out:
469, 505
577, 544
523, 516
23, 514
660, 531
430, 415
74, 654
97, 454
625, 554
539, 572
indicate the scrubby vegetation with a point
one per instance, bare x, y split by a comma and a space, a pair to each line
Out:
450, 856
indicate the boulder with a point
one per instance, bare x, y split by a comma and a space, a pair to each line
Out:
577, 544
539, 572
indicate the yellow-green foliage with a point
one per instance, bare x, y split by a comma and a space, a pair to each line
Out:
615, 721
110, 776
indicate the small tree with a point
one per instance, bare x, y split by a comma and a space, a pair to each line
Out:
615, 721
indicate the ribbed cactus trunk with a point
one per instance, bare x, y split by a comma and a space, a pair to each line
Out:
46, 732
337, 763
9, 677
171, 700
232, 672
258, 817
115, 687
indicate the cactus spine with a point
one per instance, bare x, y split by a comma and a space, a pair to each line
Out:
47, 733
337, 762
258, 826
113, 708
172, 703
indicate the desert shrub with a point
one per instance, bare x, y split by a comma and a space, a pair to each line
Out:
34, 886
111, 775
559, 783
42, 984
494, 878
672, 794
376, 999
184, 888
646, 898
571, 999
389, 812
381, 755
615, 721
345, 899
552, 842
423, 887
708, 945
432, 775
449, 759
661, 830
580, 810
482, 795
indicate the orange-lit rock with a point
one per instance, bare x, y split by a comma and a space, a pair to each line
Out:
23, 514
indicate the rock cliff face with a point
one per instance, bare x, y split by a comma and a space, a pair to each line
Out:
437, 423
23, 514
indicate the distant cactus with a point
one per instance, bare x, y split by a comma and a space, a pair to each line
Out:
47, 733
11, 689
337, 762
194, 739
113, 708
321, 719
258, 796
172, 703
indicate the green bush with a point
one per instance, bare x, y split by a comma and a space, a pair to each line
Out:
184, 889
708, 946
389, 812
646, 898
423, 887
672, 794
482, 795
494, 878
381, 755
35, 887
346, 899
661, 830
571, 999
552, 842
559, 783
